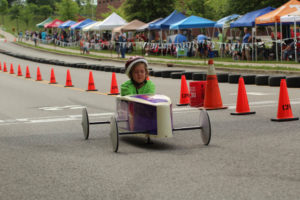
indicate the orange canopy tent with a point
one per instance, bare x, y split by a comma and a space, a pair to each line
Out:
274, 16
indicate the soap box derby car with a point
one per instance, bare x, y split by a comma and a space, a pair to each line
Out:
145, 115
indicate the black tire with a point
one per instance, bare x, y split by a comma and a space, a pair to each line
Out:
150, 72
122, 70
189, 75
222, 77
108, 69
293, 82
275, 80
199, 76
233, 78
157, 73
262, 80
113, 69
101, 68
167, 73
176, 75
118, 69
249, 79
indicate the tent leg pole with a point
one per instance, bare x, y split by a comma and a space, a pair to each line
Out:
276, 41
295, 40
281, 41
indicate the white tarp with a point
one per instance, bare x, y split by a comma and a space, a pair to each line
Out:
110, 22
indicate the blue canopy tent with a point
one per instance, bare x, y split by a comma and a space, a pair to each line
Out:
67, 24
165, 23
248, 20
81, 24
193, 22
222, 22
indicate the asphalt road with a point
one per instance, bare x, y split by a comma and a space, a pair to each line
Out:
44, 156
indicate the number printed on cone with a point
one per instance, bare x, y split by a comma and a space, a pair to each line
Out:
286, 107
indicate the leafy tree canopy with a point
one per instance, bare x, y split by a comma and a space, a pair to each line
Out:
67, 9
50, 3
3, 7
147, 10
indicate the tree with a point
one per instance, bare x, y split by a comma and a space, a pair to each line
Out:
3, 8
219, 9
15, 11
112, 9
147, 10
28, 13
10, 2
195, 7
45, 11
67, 9
87, 8
244, 6
39, 3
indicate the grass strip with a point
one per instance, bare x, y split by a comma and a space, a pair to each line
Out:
162, 61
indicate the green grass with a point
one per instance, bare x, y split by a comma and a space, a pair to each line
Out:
162, 61
159, 56
67, 53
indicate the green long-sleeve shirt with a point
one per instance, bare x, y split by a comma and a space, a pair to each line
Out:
128, 88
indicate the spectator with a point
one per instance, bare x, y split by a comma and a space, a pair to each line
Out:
246, 46
122, 43
289, 50
81, 44
86, 47
20, 36
237, 51
222, 44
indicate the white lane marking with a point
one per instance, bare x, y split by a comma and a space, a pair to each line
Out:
53, 119
55, 108
255, 94
94, 116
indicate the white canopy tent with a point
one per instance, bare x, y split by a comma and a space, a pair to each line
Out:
292, 18
110, 23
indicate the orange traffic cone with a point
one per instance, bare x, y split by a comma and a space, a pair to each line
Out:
4, 67
212, 99
38, 75
19, 71
52, 77
114, 85
69, 80
184, 93
5, 40
242, 106
0, 66
146, 78
284, 112
15, 39
11, 69
91, 86
27, 72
